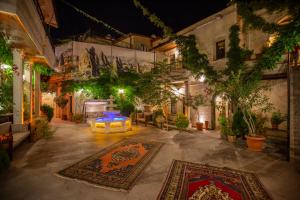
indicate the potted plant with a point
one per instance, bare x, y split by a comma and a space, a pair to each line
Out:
48, 111
61, 102
224, 124
276, 119
181, 122
231, 136
249, 95
239, 126
78, 118
206, 125
199, 126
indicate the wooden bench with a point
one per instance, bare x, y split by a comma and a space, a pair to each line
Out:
6, 138
144, 117
12, 135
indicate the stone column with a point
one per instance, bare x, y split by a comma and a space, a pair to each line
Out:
295, 115
17, 87
37, 80
30, 92
187, 101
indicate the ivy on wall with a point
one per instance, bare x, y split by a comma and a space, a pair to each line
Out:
288, 33
6, 56
192, 59
42, 69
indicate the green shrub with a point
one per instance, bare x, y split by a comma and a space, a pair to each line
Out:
158, 116
4, 159
40, 128
126, 108
78, 118
225, 128
181, 121
48, 110
277, 118
239, 126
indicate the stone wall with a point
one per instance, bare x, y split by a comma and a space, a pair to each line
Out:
295, 116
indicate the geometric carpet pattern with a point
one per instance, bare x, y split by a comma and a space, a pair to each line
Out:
115, 167
194, 181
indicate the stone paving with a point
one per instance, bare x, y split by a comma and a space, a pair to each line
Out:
32, 172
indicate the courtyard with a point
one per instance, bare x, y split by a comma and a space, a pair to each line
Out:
137, 99
32, 174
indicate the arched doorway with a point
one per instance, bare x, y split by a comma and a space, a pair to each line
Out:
220, 106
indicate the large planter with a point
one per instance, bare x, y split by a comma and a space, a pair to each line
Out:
255, 143
206, 125
275, 126
231, 138
199, 126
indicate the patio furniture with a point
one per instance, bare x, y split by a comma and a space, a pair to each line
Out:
144, 117
11, 136
6, 138
170, 122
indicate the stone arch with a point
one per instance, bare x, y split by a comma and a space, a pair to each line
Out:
213, 109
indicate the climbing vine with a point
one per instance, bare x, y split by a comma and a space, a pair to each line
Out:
6, 56
288, 34
192, 59
42, 69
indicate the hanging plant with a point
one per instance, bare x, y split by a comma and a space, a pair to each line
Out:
6, 56
42, 69
61, 101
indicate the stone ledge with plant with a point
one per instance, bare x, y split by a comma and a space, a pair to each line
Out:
48, 111
276, 119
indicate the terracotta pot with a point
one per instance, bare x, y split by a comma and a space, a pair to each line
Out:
206, 125
199, 126
255, 143
231, 138
275, 126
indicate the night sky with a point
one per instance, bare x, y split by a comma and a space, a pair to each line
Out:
124, 16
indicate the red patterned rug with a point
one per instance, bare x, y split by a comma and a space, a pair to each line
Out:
116, 166
202, 182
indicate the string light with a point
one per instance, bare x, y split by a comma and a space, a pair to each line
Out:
93, 18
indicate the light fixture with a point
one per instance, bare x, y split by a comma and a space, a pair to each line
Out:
121, 91
201, 119
4, 66
202, 78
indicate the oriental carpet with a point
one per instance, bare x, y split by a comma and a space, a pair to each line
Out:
191, 181
115, 167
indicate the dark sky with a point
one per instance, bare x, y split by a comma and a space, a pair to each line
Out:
123, 15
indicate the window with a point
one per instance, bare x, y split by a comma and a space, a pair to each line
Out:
172, 59
220, 49
173, 107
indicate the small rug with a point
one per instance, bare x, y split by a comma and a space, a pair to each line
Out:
193, 181
115, 167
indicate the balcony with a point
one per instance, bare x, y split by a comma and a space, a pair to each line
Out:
21, 23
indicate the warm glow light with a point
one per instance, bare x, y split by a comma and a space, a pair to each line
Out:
201, 119
178, 92
176, 53
121, 91
202, 78
4, 66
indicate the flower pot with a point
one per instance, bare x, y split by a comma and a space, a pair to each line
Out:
255, 143
206, 125
231, 138
199, 126
275, 126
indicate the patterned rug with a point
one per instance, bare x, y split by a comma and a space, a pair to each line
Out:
115, 167
202, 182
